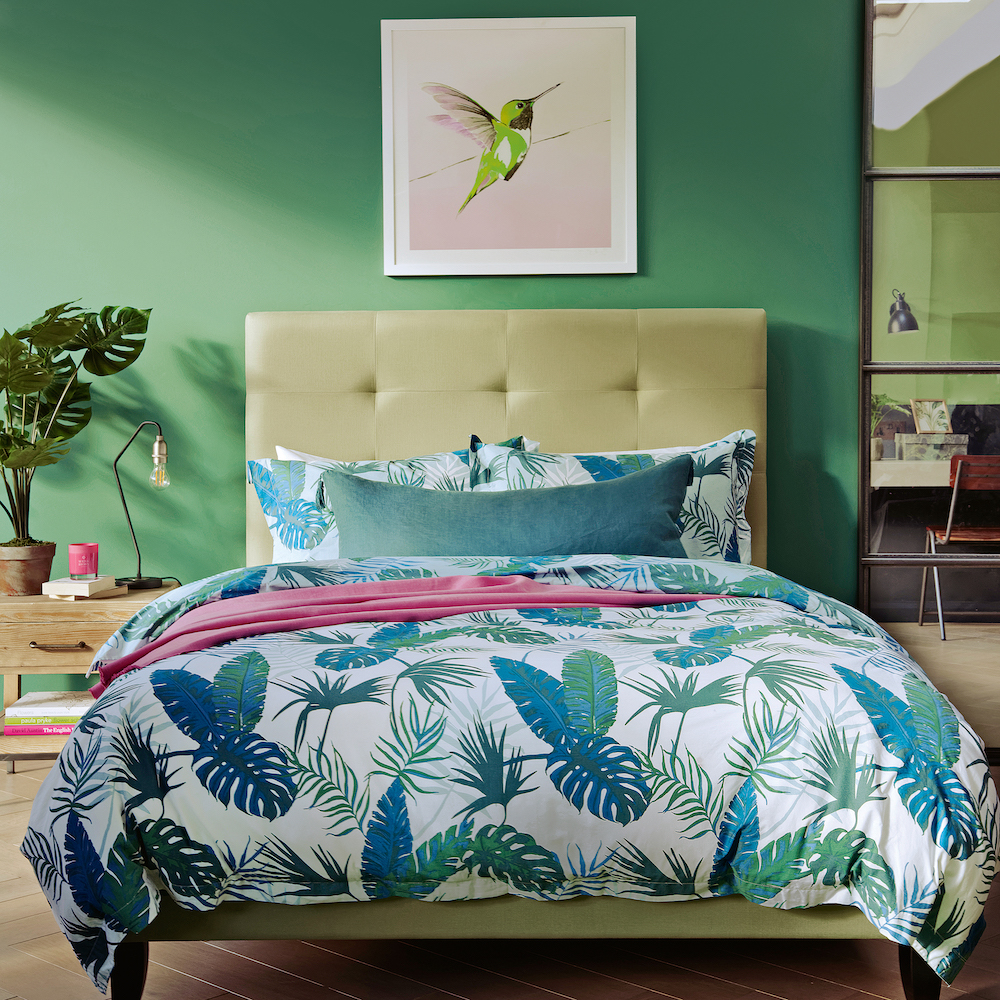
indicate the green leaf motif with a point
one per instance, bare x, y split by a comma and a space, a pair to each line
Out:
851, 858
329, 780
763, 875
643, 875
838, 773
591, 691
503, 853
496, 777
189, 868
935, 722
437, 859
123, 889
238, 691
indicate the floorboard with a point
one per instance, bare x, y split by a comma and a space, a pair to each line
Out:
36, 963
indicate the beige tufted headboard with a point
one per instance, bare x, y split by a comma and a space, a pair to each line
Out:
391, 384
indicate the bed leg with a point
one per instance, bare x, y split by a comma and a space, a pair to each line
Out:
128, 978
920, 982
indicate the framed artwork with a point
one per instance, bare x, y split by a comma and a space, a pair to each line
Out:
509, 145
931, 416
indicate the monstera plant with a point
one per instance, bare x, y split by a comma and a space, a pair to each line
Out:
44, 402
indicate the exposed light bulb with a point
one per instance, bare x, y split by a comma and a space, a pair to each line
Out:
159, 479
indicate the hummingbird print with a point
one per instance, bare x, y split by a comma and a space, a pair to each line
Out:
505, 140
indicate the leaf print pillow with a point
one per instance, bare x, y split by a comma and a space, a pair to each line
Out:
302, 530
713, 516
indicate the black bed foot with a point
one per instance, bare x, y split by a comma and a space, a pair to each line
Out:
128, 978
920, 982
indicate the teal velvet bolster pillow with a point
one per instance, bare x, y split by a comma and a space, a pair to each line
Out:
632, 515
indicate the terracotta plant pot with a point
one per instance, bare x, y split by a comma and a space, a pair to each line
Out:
24, 568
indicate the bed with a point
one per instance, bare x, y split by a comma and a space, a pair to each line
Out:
295, 737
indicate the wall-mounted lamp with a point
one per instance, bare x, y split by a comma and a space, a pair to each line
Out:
901, 320
159, 480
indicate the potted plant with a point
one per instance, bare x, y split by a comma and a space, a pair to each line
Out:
882, 405
43, 404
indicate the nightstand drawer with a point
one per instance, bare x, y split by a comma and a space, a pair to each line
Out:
18, 654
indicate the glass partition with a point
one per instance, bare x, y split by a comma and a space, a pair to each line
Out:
930, 323
937, 242
936, 84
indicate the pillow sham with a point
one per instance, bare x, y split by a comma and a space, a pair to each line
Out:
520, 443
712, 517
385, 519
303, 531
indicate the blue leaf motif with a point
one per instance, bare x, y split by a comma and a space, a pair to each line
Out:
891, 717
739, 836
686, 657
238, 691
83, 868
263, 482
187, 699
301, 524
601, 468
562, 616
601, 774
938, 801
539, 698
248, 583
635, 463
385, 859
395, 636
731, 553
250, 771
352, 657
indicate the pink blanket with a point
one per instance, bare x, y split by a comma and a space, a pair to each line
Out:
423, 599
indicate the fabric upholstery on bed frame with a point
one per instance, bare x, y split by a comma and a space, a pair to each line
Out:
391, 384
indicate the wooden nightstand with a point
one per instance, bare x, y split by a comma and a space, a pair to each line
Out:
40, 635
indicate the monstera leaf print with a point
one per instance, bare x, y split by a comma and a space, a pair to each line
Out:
234, 765
924, 735
587, 767
507, 854
299, 523
190, 868
601, 774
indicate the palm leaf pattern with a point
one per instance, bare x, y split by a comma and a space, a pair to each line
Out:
772, 743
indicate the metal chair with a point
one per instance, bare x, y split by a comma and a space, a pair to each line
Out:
968, 472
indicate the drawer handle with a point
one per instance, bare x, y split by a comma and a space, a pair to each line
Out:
54, 647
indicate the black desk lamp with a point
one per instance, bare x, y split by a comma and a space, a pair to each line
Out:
159, 480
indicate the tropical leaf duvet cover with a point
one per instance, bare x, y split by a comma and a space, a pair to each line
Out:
772, 743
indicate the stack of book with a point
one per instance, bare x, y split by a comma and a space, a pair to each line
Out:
46, 713
66, 589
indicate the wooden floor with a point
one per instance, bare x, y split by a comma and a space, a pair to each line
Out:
965, 667
36, 963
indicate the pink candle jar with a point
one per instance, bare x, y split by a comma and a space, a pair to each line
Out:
83, 560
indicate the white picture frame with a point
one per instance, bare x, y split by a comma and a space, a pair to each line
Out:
571, 208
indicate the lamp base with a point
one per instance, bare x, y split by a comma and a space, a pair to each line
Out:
139, 582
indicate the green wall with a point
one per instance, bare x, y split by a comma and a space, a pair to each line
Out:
206, 160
